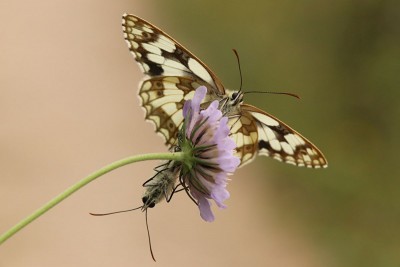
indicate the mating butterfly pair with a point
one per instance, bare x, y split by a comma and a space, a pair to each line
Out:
174, 73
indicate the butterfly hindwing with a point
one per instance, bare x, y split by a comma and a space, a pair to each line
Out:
163, 99
174, 74
245, 134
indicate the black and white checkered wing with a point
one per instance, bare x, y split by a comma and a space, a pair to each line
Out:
173, 74
259, 133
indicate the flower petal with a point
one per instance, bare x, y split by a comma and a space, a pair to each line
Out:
205, 209
211, 151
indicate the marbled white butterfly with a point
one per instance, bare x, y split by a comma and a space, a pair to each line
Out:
173, 74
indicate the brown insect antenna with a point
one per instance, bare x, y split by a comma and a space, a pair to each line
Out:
240, 69
274, 93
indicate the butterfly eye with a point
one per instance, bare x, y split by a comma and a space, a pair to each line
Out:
152, 205
234, 95
144, 199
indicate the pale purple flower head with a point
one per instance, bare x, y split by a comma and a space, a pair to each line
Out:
209, 150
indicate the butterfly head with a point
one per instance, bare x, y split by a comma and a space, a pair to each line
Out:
236, 98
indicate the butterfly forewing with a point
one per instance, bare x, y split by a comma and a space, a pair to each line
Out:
160, 54
174, 73
275, 139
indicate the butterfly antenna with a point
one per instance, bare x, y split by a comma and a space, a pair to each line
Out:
240, 69
275, 93
114, 212
148, 235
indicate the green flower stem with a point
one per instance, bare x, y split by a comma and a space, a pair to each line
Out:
153, 156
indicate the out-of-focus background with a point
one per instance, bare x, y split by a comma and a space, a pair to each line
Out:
68, 106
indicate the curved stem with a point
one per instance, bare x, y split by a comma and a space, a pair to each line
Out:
152, 156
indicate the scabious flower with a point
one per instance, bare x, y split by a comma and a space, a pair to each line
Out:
204, 139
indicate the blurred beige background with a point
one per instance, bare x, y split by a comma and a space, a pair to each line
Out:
68, 106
